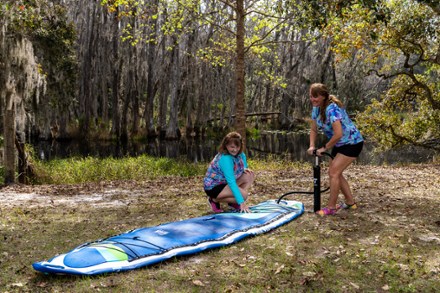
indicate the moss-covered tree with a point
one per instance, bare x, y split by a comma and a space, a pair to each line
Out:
37, 74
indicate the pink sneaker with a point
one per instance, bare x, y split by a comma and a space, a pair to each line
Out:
215, 206
235, 206
326, 212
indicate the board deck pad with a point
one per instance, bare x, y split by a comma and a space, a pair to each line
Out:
146, 246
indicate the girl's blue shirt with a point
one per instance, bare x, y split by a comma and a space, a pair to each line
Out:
226, 169
350, 134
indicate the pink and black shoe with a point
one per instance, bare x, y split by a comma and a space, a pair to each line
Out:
235, 206
215, 206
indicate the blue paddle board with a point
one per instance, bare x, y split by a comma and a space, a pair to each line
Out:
146, 246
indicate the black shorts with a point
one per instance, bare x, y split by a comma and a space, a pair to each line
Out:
213, 193
349, 150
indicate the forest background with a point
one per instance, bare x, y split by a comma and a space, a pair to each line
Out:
138, 69
121, 70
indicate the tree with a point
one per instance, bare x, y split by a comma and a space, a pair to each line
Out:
34, 49
9, 131
235, 30
239, 69
17, 76
398, 41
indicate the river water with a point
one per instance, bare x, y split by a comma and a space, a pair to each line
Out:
290, 146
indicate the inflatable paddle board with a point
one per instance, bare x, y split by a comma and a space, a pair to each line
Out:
146, 246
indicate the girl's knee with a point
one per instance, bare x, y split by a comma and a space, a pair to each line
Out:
247, 178
334, 173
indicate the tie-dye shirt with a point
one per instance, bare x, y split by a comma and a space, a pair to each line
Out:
350, 134
226, 169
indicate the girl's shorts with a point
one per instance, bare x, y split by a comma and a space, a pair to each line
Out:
213, 193
349, 150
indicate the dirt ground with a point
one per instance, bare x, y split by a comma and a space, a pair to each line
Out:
403, 196
398, 207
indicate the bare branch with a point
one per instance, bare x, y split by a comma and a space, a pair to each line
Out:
412, 141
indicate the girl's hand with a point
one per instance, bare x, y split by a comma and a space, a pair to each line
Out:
249, 171
244, 208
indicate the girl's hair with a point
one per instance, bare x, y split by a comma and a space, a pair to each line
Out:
319, 89
233, 137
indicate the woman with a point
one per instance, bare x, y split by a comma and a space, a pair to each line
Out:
228, 178
329, 116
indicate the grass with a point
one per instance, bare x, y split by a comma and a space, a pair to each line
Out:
390, 244
90, 169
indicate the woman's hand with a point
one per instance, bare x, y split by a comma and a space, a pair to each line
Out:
244, 208
320, 151
310, 150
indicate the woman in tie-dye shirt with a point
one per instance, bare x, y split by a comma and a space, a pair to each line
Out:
329, 116
228, 178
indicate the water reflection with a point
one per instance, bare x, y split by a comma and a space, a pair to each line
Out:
192, 150
290, 146
293, 146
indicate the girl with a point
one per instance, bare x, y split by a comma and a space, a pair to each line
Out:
329, 115
228, 178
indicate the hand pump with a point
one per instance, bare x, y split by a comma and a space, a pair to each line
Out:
316, 183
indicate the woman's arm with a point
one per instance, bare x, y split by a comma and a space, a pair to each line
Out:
337, 135
226, 164
313, 136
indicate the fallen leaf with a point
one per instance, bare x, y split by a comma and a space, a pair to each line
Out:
42, 285
198, 283
309, 274
356, 286
279, 269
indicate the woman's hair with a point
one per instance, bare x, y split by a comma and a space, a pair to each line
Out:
319, 89
233, 137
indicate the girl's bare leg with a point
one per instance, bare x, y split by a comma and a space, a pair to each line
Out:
244, 183
346, 191
337, 181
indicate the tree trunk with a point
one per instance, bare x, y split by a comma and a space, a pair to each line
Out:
192, 89
172, 128
151, 68
163, 94
117, 66
200, 121
131, 92
104, 81
133, 82
135, 123
85, 94
240, 73
124, 115
22, 159
9, 134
